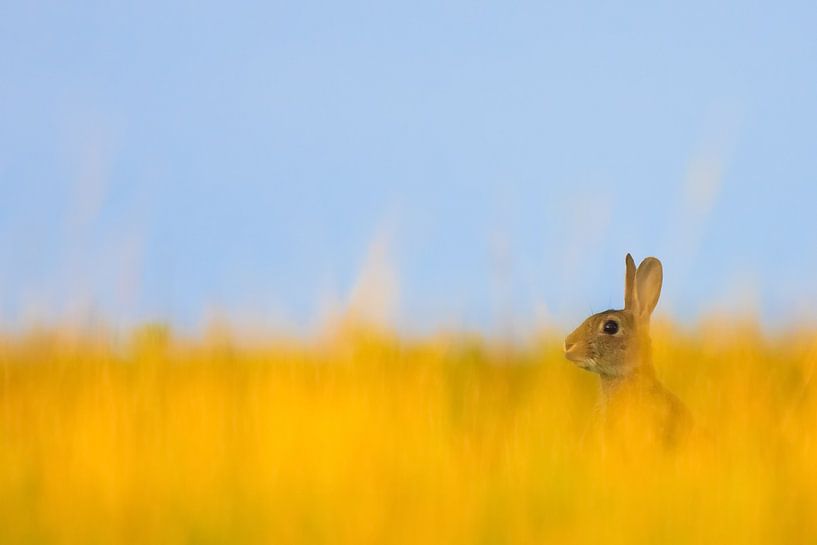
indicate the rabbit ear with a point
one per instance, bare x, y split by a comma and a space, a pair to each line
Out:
648, 280
629, 283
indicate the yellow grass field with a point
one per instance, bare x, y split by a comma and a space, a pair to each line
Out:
363, 437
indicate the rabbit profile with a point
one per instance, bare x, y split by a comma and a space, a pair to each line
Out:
616, 345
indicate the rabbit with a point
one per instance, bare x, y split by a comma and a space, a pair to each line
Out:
615, 344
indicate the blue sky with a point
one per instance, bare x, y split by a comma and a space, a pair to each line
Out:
161, 160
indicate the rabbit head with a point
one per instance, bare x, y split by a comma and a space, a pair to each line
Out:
616, 343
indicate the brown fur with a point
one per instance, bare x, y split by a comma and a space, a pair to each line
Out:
633, 399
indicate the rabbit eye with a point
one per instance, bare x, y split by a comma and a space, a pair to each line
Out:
610, 327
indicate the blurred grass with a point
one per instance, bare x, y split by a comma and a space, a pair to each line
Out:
363, 437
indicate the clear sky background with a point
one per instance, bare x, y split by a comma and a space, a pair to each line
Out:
461, 164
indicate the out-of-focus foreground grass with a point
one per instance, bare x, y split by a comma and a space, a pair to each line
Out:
363, 437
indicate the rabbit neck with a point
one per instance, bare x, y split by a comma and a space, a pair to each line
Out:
640, 377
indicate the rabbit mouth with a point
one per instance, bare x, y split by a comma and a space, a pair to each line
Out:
581, 360
575, 357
